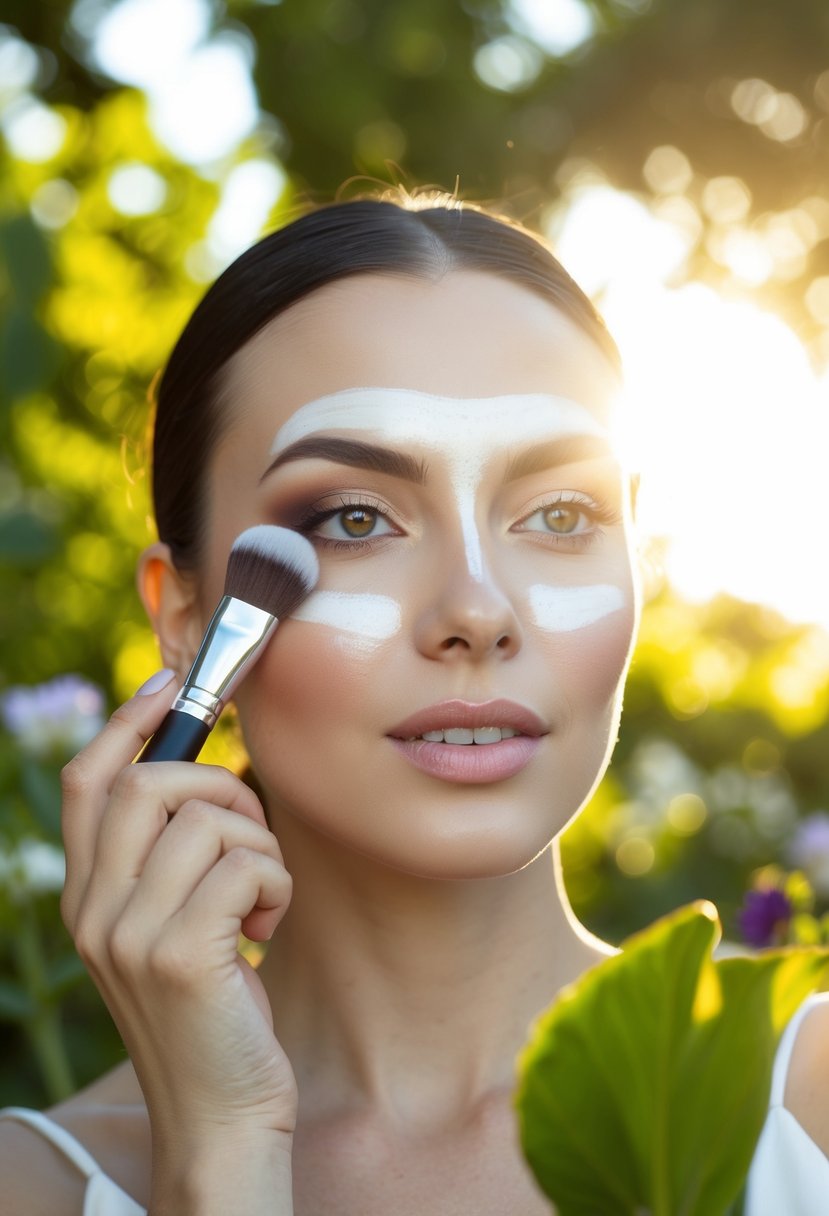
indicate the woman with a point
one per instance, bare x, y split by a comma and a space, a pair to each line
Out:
477, 576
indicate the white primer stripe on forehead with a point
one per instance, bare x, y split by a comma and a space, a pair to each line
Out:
563, 609
406, 414
468, 431
370, 616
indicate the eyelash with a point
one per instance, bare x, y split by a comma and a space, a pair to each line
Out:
598, 511
315, 516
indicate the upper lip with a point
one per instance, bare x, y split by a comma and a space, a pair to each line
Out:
449, 715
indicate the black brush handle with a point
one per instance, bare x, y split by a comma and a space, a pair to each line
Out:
179, 737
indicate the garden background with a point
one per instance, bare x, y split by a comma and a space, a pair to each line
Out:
676, 153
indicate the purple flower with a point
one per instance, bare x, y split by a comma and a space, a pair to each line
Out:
58, 717
809, 850
764, 917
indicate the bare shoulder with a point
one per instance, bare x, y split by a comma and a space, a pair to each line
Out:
108, 1119
35, 1178
807, 1081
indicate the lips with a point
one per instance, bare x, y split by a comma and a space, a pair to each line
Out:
470, 716
461, 758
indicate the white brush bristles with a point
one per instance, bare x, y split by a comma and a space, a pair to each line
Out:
272, 568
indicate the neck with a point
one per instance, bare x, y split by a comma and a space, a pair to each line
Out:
412, 996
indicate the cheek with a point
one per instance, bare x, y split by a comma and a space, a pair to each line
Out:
362, 620
313, 691
592, 651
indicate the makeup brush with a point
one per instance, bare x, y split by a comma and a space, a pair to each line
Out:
269, 573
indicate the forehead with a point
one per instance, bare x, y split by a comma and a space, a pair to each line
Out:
466, 335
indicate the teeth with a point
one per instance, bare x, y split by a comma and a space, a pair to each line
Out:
487, 734
459, 735
464, 736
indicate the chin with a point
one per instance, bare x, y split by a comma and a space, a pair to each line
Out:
483, 848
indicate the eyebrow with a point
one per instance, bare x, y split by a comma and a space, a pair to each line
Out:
570, 449
352, 452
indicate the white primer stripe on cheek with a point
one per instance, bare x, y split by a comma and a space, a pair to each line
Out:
562, 609
370, 616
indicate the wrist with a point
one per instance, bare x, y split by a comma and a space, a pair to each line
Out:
246, 1174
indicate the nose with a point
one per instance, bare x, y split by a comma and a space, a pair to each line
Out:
468, 619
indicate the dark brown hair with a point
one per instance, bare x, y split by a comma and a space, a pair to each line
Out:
363, 236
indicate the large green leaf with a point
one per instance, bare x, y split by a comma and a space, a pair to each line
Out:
644, 1087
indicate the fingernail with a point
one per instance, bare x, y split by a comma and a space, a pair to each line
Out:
159, 680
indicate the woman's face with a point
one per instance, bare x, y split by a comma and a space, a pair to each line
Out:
445, 446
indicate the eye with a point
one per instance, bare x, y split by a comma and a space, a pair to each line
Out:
347, 524
353, 523
562, 519
568, 518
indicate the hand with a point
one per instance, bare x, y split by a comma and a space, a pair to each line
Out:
166, 863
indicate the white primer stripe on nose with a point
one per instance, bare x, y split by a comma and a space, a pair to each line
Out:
370, 616
562, 609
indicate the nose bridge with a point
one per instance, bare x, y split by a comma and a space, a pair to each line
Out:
466, 505
468, 610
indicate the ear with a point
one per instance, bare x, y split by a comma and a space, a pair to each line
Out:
170, 598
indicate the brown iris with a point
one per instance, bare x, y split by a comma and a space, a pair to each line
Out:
358, 521
562, 519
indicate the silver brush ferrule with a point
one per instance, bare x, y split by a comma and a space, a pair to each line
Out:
229, 648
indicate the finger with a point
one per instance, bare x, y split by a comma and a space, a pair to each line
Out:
197, 837
210, 921
88, 779
144, 796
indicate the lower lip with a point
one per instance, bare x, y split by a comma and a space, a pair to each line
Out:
470, 764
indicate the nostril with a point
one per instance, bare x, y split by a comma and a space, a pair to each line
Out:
451, 643
503, 642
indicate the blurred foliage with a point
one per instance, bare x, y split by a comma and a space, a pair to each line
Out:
715, 112
712, 112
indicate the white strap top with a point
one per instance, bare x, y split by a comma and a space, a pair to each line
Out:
103, 1197
789, 1175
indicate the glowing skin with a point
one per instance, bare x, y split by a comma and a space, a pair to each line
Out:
491, 373
561, 609
469, 433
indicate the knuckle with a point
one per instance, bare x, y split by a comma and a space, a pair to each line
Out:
122, 715
75, 777
87, 941
135, 782
242, 861
193, 814
124, 949
170, 962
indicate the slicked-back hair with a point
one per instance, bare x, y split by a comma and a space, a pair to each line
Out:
364, 236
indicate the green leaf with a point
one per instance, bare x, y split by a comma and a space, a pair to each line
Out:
644, 1087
